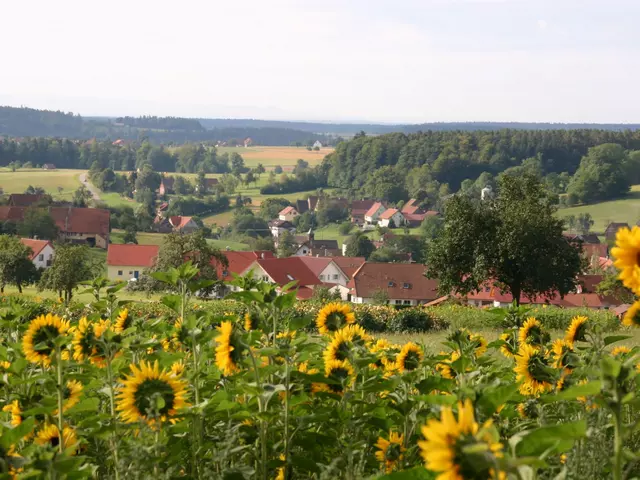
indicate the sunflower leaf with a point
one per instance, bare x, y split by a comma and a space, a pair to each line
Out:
571, 393
615, 338
552, 438
415, 473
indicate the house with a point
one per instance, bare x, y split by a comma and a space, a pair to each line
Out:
278, 227
247, 142
414, 220
392, 218
42, 252
302, 206
401, 283
612, 229
410, 207
282, 271
288, 214
119, 142
183, 224
358, 210
27, 200
48, 166
209, 183
166, 185
348, 265
313, 202
317, 144
126, 262
590, 238
373, 214
238, 262
309, 244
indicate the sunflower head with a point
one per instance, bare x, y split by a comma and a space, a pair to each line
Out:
510, 346
445, 368
390, 451
88, 341
229, 349
177, 368
16, 413
49, 435
532, 333
150, 394
460, 448
627, 257
632, 317
563, 356
340, 347
359, 335
341, 372
334, 316
251, 321
409, 357
533, 372
38, 343
528, 409
479, 343
577, 330
122, 322
620, 351
71, 393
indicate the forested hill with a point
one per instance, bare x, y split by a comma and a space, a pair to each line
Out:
29, 122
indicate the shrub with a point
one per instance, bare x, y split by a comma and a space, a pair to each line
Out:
411, 320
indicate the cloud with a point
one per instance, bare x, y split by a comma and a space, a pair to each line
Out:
542, 24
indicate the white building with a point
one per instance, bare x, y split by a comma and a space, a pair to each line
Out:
373, 214
42, 252
278, 227
317, 144
392, 218
287, 214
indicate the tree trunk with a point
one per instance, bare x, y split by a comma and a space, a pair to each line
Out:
516, 293
19, 287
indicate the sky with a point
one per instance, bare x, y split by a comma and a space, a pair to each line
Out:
390, 61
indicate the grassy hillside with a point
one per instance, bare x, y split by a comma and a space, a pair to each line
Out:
59, 183
623, 210
117, 236
286, 157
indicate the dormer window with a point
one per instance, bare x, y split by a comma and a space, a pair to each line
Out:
225, 273
390, 284
406, 285
290, 277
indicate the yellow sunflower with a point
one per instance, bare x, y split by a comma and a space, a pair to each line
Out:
38, 341
380, 350
627, 257
122, 322
590, 405
86, 343
4, 365
459, 449
229, 350
632, 317
532, 371
16, 413
177, 368
444, 366
562, 351
509, 348
334, 316
532, 333
72, 393
620, 351
340, 346
359, 335
251, 321
137, 396
522, 410
342, 373
577, 330
480, 342
390, 452
409, 357
50, 435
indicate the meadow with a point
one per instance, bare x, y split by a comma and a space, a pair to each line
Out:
146, 238
286, 157
623, 210
59, 183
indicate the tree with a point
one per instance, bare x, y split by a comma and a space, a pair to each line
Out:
70, 267
250, 178
37, 222
431, 227
277, 170
260, 169
345, 228
386, 183
81, 197
286, 245
31, 190
380, 297
324, 295
304, 222
585, 222
331, 212
514, 241
248, 224
229, 183
271, 206
16, 267
360, 246
130, 235
612, 286
181, 186
237, 164
201, 184
570, 222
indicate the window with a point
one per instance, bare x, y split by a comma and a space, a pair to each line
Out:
407, 302
265, 278
321, 277
335, 277
406, 285
398, 302
41, 257
390, 284
487, 289
130, 272
304, 251
225, 273
120, 273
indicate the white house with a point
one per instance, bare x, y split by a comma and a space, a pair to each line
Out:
373, 214
288, 214
317, 144
391, 218
42, 252
278, 227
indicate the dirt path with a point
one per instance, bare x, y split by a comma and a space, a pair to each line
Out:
89, 186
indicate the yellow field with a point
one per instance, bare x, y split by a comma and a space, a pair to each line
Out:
283, 156
59, 183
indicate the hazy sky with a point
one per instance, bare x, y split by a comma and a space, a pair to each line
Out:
377, 60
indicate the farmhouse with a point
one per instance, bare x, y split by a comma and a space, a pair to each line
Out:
308, 245
48, 166
288, 214
183, 224
278, 227
282, 271
392, 218
126, 262
317, 144
42, 252
27, 200
358, 210
373, 214
166, 185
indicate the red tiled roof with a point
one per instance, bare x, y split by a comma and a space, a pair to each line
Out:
361, 207
238, 262
179, 222
374, 208
388, 213
210, 182
391, 279
594, 249
132, 255
67, 219
304, 293
36, 246
24, 199
286, 270
348, 265
287, 210
410, 209
316, 264
589, 283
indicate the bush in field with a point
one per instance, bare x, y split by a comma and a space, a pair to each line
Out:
411, 320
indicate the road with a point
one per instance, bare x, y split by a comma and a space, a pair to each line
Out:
89, 186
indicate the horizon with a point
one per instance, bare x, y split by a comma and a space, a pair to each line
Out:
413, 62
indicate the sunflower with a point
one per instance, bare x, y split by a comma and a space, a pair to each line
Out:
38, 342
509, 348
341, 372
177, 368
229, 349
380, 350
16, 413
459, 449
122, 322
527, 409
180, 333
409, 357
562, 354
620, 351
444, 367
72, 393
480, 344
531, 333
627, 257
137, 396
251, 321
333, 317
390, 452
632, 317
522, 410
4, 365
340, 346
577, 329
86, 341
532, 371
359, 335
50, 435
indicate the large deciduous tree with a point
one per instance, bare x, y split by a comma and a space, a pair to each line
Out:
514, 241
16, 268
37, 222
70, 267
360, 246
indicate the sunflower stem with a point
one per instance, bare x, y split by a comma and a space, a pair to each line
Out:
286, 415
60, 399
263, 424
617, 443
114, 445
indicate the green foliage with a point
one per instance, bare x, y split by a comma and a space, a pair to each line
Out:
71, 267
286, 245
345, 227
270, 207
360, 246
37, 222
16, 267
411, 320
613, 287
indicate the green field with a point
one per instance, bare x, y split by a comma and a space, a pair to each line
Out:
59, 183
272, 156
623, 210
117, 237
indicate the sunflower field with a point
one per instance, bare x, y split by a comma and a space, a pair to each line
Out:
276, 393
